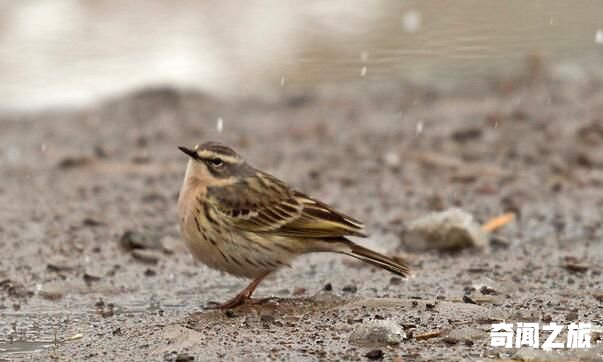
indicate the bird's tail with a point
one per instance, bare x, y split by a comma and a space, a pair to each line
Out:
374, 258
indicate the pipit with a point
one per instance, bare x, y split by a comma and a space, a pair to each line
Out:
240, 220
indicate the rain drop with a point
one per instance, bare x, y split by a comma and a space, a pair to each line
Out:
419, 129
411, 21
220, 125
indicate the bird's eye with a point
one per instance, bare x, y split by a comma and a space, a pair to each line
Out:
217, 162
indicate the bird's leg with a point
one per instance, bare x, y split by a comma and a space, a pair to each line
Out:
245, 296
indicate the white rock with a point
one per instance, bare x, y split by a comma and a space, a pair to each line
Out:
378, 332
447, 230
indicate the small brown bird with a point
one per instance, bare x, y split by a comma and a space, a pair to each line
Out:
248, 223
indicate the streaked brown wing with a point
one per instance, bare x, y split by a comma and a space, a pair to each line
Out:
265, 204
320, 220
259, 204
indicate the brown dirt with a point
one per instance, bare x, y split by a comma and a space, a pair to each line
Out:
74, 181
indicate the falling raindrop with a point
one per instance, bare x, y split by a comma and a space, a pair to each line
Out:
392, 159
220, 125
411, 21
419, 129
283, 79
43, 147
599, 37
363, 71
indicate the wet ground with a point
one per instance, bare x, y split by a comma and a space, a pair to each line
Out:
74, 182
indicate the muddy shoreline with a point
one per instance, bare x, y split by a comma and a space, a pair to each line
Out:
74, 181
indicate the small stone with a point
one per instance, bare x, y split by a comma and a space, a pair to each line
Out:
450, 230
299, 291
328, 287
183, 357
73, 162
464, 334
467, 134
374, 355
89, 278
573, 265
350, 288
145, 256
51, 293
487, 290
450, 340
267, 318
150, 272
59, 267
91, 222
378, 332
117, 332
229, 313
572, 315
395, 281
468, 299
132, 240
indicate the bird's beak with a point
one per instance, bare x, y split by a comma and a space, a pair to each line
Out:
191, 153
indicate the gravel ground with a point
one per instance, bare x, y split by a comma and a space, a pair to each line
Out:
94, 268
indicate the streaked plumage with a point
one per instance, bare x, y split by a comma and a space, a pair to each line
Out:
248, 223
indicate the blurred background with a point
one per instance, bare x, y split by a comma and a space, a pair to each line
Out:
69, 52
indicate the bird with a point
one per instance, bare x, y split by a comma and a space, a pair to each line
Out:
237, 219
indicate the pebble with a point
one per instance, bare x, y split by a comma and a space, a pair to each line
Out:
267, 318
183, 357
90, 278
378, 332
145, 256
150, 272
487, 290
375, 354
450, 230
328, 287
91, 222
132, 240
572, 315
464, 334
350, 288
51, 293
468, 299
395, 281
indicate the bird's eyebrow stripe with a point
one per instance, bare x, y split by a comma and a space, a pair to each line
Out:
207, 154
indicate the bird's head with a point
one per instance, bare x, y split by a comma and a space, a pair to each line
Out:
213, 160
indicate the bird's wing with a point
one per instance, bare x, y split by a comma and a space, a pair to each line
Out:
320, 220
265, 204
